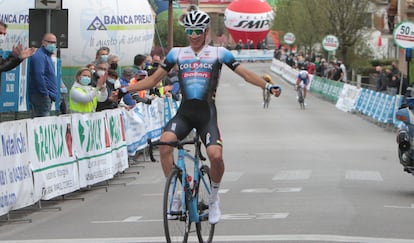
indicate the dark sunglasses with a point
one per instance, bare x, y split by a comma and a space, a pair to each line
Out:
196, 31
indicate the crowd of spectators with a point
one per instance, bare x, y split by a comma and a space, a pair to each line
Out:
386, 79
106, 77
315, 64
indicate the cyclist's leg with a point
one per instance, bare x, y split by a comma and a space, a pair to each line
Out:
305, 90
215, 155
210, 135
166, 152
176, 128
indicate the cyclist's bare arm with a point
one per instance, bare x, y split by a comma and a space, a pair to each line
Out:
253, 78
148, 82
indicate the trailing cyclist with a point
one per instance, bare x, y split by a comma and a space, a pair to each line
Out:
303, 80
199, 66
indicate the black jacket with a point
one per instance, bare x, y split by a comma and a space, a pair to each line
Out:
9, 63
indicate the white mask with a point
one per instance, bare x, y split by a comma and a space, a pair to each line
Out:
100, 73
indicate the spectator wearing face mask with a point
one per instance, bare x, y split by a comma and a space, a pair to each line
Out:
101, 70
84, 98
43, 86
142, 95
101, 55
113, 61
114, 83
112, 100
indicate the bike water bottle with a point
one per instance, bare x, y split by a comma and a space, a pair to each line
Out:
190, 181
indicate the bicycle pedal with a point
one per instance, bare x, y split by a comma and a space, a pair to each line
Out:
204, 217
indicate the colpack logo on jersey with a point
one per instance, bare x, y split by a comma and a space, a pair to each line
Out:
120, 22
196, 65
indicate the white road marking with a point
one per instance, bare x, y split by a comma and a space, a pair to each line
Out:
289, 189
232, 176
258, 190
153, 179
363, 175
292, 175
223, 191
235, 216
229, 238
132, 219
403, 207
270, 190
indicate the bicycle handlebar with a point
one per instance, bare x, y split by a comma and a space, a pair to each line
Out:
175, 144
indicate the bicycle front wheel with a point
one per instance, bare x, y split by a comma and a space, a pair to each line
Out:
176, 222
205, 230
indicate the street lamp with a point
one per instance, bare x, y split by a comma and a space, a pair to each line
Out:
170, 25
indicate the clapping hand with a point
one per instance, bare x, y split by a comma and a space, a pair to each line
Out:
21, 52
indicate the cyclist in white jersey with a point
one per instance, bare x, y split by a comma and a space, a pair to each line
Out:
199, 66
303, 79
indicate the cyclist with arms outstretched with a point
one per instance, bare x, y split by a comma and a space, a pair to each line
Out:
199, 66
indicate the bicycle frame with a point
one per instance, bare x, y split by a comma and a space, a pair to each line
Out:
190, 193
192, 199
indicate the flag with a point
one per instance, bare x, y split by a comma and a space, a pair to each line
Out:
379, 41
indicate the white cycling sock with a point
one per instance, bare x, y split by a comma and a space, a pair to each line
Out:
214, 190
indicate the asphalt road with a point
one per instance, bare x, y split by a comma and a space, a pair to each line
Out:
318, 175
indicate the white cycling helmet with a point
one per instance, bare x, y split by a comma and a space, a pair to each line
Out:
194, 18
303, 75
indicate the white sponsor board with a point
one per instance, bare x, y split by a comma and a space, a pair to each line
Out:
126, 27
54, 167
16, 182
118, 140
92, 147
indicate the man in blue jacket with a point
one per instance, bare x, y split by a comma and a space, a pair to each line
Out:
43, 86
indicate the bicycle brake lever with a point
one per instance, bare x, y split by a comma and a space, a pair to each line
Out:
150, 150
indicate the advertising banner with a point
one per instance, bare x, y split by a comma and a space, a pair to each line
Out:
118, 24
12, 89
16, 182
54, 165
118, 140
135, 129
92, 147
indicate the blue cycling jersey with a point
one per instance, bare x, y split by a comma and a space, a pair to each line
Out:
198, 75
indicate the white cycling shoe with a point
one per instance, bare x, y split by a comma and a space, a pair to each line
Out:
214, 212
176, 206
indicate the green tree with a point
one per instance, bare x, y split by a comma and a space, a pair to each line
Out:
161, 34
311, 20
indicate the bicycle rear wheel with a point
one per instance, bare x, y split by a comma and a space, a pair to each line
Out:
176, 223
205, 230
301, 99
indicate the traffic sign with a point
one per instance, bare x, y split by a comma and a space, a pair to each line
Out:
289, 38
48, 4
330, 43
404, 34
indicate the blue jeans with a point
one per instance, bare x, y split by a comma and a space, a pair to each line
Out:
40, 105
